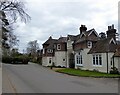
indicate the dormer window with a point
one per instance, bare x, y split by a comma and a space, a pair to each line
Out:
58, 47
89, 44
50, 51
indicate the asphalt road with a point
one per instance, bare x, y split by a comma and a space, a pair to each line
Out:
33, 78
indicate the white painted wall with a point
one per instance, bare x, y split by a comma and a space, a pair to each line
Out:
88, 62
59, 56
117, 62
45, 61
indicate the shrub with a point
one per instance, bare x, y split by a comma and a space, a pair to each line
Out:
114, 70
95, 70
6, 59
20, 59
72, 65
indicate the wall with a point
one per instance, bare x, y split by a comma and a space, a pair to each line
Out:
45, 61
117, 62
88, 62
59, 56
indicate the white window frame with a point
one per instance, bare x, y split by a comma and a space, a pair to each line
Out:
50, 51
97, 60
58, 47
89, 44
79, 59
64, 60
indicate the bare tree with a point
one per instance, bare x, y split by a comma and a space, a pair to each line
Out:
10, 11
32, 48
13, 9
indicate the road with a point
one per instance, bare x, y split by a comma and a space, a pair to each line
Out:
33, 78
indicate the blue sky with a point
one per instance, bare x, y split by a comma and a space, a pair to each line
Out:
62, 17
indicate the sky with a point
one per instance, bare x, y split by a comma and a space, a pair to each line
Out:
62, 17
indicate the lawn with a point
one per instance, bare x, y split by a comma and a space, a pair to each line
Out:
86, 73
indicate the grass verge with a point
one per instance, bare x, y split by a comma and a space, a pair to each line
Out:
86, 73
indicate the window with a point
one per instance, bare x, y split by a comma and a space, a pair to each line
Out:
50, 51
63, 60
58, 47
97, 60
79, 60
89, 44
93, 59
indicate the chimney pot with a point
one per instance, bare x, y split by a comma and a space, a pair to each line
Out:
112, 26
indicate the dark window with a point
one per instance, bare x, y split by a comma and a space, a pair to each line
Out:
97, 60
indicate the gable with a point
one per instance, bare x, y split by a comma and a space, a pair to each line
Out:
112, 41
93, 32
82, 35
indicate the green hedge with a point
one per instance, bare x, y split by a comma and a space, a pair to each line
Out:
17, 59
20, 59
6, 59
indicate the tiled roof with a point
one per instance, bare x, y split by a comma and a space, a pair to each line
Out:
62, 39
86, 37
103, 46
50, 40
72, 37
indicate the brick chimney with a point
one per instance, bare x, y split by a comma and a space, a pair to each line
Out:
111, 32
82, 29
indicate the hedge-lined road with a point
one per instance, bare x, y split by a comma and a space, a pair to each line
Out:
33, 78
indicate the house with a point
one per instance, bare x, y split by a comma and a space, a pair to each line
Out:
79, 46
48, 56
104, 51
88, 50
92, 51
55, 52
61, 52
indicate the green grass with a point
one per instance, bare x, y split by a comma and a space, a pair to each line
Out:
84, 73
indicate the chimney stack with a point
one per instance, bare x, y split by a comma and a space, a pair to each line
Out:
83, 28
111, 32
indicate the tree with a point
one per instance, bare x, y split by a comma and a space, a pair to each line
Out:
32, 48
10, 11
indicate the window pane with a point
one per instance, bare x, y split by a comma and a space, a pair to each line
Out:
93, 59
81, 60
77, 59
100, 60
96, 59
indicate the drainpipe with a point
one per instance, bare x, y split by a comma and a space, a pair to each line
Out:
107, 61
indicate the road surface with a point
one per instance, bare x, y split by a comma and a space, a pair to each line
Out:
33, 78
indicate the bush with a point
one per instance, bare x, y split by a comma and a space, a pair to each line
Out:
114, 70
20, 59
72, 65
6, 59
